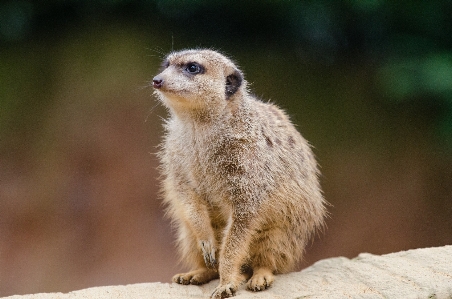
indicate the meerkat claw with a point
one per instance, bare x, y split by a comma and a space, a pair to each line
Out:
224, 291
208, 253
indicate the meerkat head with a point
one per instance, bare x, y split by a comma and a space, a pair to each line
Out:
193, 80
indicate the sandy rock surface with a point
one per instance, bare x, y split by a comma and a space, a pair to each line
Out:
419, 273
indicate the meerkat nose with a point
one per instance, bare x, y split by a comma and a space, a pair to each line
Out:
157, 82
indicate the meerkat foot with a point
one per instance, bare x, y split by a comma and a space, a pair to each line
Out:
262, 279
224, 291
199, 276
208, 253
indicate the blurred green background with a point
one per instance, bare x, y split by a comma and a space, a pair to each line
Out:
368, 82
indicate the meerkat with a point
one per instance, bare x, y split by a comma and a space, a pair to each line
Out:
239, 182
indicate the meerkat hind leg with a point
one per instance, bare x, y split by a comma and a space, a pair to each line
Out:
198, 276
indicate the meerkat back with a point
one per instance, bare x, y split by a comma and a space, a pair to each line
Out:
240, 182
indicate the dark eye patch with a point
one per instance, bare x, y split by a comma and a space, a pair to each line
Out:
194, 68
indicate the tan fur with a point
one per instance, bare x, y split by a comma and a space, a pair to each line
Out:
240, 183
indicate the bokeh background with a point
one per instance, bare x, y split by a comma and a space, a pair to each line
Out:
368, 82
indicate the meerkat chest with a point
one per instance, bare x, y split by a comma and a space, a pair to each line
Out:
186, 156
209, 161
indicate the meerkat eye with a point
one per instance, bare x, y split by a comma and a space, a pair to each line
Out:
193, 68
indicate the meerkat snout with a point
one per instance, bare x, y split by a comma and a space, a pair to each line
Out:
157, 82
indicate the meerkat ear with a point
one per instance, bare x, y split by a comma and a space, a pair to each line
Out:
233, 82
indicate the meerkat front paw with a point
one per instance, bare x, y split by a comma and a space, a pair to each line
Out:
262, 279
208, 252
224, 291
199, 276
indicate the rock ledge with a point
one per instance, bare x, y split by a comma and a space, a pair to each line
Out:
419, 273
